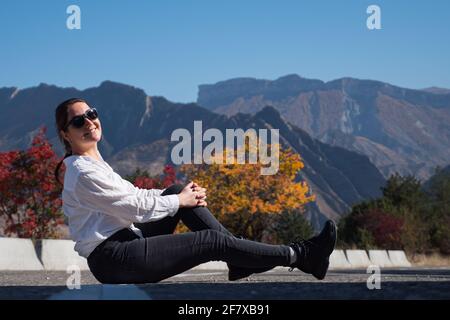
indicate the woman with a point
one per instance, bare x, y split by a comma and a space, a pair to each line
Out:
126, 233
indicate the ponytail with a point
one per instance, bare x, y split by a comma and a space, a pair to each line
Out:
61, 117
68, 154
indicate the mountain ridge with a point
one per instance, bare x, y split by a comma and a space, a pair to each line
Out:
137, 130
399, 129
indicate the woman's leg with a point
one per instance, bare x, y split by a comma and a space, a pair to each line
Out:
129, 259
196, 219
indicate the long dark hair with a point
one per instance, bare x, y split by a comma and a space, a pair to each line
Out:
61, 115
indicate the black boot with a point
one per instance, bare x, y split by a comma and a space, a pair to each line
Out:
237, 273
313, 254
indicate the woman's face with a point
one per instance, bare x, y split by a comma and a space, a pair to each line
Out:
84, 138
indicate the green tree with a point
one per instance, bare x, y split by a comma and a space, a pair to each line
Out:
398, 219
290, 225
439, 209
404, 191
138, 172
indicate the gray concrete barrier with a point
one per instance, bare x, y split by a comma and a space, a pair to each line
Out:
358, 258
398, 258
380, 258
18, 254
60, 254
212, 265
338, 260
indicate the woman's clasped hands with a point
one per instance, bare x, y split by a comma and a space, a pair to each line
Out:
192, 195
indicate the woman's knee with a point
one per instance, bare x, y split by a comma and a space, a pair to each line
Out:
173, 189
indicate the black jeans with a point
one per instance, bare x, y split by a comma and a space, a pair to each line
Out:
126, 258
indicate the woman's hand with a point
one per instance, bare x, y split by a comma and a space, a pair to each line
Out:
201, 194
192, 195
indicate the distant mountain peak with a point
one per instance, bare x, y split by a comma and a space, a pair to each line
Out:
437, 90
346, 82
290, 77
269, 111
46, 85
400, 129
137, 130
114, 84
114, 88
222, 93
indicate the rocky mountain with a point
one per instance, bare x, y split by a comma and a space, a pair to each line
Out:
137, 130
437, 90
399, 129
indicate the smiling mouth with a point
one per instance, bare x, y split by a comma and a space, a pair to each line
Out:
88, 133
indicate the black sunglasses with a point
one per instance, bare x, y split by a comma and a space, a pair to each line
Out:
78, 121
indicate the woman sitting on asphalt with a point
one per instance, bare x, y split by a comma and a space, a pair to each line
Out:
126, 233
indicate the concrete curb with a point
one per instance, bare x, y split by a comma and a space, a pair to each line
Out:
398, 258
212, 265
18, 254
358, 258
60, 254
338, 260
380, 258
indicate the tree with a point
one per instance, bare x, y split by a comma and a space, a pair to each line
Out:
138, 172
291, 225
385, 229
406, 199
30, 201
143, 180
243, 199
404, 191
372, 225
397, 220
439, 209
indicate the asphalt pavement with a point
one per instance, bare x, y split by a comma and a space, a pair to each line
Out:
279, 284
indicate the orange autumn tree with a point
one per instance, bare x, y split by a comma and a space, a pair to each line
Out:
243, 199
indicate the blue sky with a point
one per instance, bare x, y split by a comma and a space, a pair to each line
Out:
170, 47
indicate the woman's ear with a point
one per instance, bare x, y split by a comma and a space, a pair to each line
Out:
64, 135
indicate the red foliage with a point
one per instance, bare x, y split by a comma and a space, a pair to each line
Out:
29, 195
162, 182
385, 228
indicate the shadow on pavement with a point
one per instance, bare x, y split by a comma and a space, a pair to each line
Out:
261, 291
